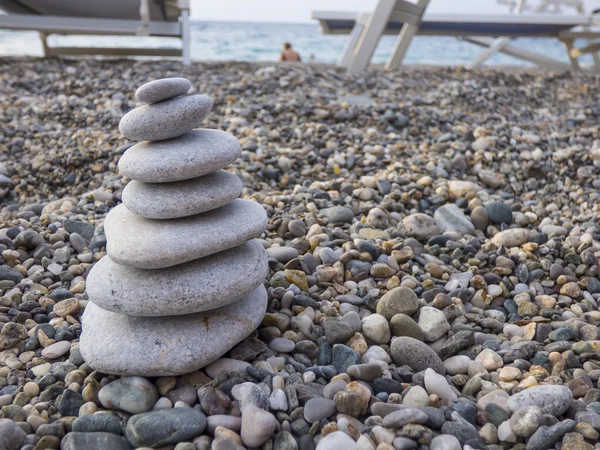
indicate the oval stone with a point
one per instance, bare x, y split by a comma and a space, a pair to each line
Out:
192, 155
132, 394
166, 346
166, 119
153, 244
200, 285
162, 428
552, 399
163, 89
415, 354
78, 440
182, 198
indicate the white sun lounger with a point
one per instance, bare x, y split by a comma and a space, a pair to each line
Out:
166, 18
520, 7
406, 19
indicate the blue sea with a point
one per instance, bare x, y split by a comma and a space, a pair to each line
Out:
245, 41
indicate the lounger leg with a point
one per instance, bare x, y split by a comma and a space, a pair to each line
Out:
45, 48
486, 54
185, 36
144, 29
591, 49
370, 37
501, 42
568, 43
496, 46
403, 42
581, 10
511, 50
350, 47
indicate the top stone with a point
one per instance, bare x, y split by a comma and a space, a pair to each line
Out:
163, 89
165, 120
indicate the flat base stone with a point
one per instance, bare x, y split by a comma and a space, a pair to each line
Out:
192, 155
204, 284
153, 244
165, 120
166, 346
182, 198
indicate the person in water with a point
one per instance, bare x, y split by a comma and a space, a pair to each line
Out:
288, 54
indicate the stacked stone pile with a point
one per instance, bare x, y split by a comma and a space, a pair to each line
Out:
182, 281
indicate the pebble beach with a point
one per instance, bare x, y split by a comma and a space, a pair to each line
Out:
433, 246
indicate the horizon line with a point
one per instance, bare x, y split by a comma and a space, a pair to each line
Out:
312, 22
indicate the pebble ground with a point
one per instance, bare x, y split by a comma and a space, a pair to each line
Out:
433, 241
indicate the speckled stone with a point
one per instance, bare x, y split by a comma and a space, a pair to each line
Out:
336, 441
415, 354
168, 426
182, 198
207, 283
192, 155
552, 399
451, 218
403, 325
132, 394
165, 120
152, 244
13, 435
257, 426
93, 441
166, 346
163, 89
400, 300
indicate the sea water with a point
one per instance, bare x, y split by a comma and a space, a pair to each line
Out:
245, 41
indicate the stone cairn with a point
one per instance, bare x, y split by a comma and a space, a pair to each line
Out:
182, 281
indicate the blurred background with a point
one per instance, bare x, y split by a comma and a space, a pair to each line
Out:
237, 30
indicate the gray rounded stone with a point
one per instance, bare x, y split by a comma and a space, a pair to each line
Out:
192, 155
282, 345
317, 409
166, 346
401, 417
93, 441
415, 354
164, 427
525, 421
337, 440
337, 214
10, 274
282, 254
132, 394
98, 422
433, 323
420, 226
153, 244
207, 283
258, 425
400, 300
14, 435
365, 372
552, 399
182, 198
163, 89
403, 325
165, 120
450, 217
499, 212
222, 420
